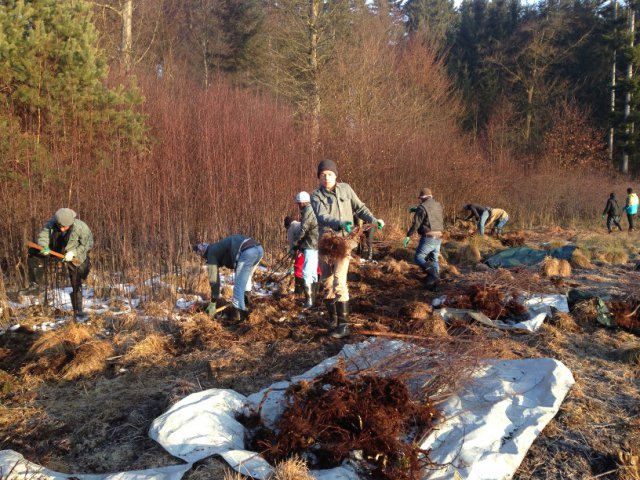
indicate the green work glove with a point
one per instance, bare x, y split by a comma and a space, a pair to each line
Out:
293, 269
406, 241
347, 226
45, 252
413, 209
603, 215
380, 224
211, 309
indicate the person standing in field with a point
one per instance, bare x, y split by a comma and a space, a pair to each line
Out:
306, 240
239, 252
336, 205
293, 227
66, 234
612, 211
428, 221
631, 207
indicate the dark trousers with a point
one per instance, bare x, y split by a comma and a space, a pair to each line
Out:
630, 217
36, 264
613, 220
365, 246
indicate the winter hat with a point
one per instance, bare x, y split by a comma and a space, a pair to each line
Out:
327, 165
303, 197
200, 248
613, 195
65, 217
425, 192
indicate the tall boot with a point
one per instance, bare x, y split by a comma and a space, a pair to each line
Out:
330, 303
248, 300
309, 295
342, 311
432, 279
76, 303
238, 315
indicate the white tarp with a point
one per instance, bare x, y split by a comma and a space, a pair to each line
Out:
486, 431
13, 466
539, 307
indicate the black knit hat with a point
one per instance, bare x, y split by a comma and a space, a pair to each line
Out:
327, 165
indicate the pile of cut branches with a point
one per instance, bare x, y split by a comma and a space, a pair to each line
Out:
489, 300
336, 414
626, 314
333, 246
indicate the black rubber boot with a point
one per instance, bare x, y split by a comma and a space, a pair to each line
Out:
432, 279
248, 301
76, 303
331, 310
239, 315
342, 311
299, 286
309, 296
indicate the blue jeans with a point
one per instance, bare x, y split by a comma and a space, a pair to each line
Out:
310, 268
483, 220
500, 225
427, 254
246, 265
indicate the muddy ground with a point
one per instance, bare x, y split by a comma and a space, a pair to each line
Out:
82, 399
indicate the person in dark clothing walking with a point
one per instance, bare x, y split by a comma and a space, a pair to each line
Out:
613, 213
306, 239
479, 213
239, 252
64, 233
428, 221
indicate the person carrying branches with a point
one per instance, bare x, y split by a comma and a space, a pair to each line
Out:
238, 252
428, 221
336, 205
63, 234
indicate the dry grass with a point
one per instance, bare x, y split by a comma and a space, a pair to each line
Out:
396, 267
291, 469
614, 249
629, 356
585, 312
90, 359
153, 349
62, 340
580, 260
565, 322
201, 331
461, 253
554, 267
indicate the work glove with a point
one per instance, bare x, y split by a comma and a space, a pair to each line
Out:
292, 270
380, 224
413, 209
603, 215
346, 226
69, 256
211, 309
45, 252
406, 241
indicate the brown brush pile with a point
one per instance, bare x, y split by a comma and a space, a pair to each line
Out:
488, 300
565, 322
626, 314
580, 260
336, 414
333, 246
554, 267
513, 239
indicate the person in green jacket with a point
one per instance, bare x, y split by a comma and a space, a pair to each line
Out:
68, 235
336, 205
239, 252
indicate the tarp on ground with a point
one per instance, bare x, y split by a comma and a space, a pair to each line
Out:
525, 256
14, 466
539, 307
486, 431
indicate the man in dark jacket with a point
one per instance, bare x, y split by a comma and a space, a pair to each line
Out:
613, 213
238, 252
428, 221
306, 239
64, 233
479, 213
336, 205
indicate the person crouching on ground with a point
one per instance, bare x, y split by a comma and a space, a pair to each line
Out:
64, 233
613, 213
428, 221
478, 213
335, 206
240, 253
498, 218
306, 239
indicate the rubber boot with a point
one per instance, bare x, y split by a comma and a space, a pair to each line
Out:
299, 286
239, 315
248, 302
342, 311
432, 279
76, 303
331, 310
309, 296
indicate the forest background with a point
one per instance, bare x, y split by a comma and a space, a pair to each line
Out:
162, 122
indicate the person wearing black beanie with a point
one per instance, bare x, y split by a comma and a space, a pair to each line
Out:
336, 205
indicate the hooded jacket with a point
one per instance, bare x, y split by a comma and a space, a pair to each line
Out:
612, 208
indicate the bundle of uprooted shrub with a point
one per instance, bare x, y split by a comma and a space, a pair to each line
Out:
333, 246
626, 314
489, 300
336, 414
